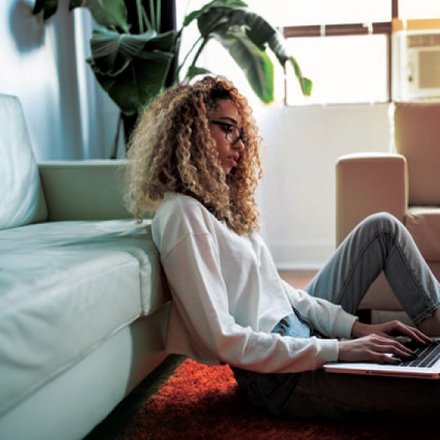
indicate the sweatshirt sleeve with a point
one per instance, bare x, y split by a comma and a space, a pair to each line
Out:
200, 305
328, 318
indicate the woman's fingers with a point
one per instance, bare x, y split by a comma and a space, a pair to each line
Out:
397, 328
386, 345
417, 335
373, 348
382, 343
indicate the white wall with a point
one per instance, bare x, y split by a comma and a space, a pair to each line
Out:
297, 195
31, 57
38, 64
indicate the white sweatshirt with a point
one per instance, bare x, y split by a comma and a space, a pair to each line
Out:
227, 296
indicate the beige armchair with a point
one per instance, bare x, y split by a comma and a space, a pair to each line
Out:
405, 183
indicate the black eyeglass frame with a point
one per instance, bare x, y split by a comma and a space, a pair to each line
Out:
228, 126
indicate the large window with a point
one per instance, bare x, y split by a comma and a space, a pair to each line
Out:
342, 45
344, 69
346, 47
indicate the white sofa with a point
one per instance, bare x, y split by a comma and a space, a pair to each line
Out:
83, 302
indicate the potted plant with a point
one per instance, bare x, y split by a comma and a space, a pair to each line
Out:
133, 60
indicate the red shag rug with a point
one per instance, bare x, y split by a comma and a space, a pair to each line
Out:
200, 402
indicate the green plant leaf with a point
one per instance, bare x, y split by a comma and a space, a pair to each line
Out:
131, 68
49, 7
225, 4
112, 51
221, 19
254, 62
245, 35
218, 21
194, 71
134, 87
305, 83
108, 13
277, 46
257, 28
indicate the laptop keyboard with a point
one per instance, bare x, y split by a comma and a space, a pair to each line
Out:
424, 356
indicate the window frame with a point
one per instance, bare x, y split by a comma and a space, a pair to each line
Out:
350, 29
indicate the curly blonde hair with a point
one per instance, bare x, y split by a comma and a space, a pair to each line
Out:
172, 150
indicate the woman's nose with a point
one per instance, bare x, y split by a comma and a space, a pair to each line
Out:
239, 145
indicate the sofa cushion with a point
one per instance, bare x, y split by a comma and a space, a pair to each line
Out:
424, 225
21, 195
65, 288
417, 137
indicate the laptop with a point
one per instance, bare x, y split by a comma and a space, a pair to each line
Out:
425, 365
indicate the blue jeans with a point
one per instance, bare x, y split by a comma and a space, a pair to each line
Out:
378, 243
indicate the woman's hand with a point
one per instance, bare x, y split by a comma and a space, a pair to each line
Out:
379, 343
373, 348
390, 329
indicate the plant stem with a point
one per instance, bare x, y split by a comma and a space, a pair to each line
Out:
200, 38
158, 14
139, 14
205, 39
147, 21
153, 16
175, 65
199, 51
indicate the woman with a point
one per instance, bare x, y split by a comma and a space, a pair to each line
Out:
195, 159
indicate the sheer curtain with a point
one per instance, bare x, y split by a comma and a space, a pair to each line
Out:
98, 114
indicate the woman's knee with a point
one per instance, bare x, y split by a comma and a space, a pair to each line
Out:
382, 222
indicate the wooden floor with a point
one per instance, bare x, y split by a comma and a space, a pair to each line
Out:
297, 278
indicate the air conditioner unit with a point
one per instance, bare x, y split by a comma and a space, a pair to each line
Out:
416, 65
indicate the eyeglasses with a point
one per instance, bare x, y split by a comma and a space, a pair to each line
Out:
232, 133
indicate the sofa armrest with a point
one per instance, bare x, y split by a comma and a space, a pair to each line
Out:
83, 190
367, 183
